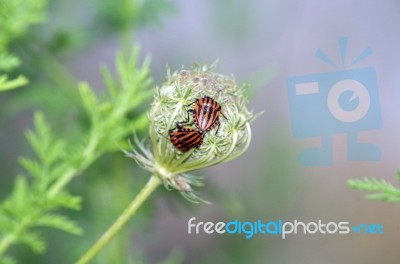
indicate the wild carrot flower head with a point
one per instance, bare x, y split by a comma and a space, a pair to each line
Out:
171, 104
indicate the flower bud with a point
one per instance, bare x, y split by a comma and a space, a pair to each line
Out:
172, 104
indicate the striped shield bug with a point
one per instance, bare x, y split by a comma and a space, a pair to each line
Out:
206, 114
186, 138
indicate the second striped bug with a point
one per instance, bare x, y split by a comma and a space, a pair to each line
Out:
186, 138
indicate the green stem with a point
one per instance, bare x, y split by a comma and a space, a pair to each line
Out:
59, 184
126, 32
151, 185
89, 155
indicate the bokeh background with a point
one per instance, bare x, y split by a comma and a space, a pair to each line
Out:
262, 43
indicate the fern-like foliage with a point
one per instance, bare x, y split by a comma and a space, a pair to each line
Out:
15, 17
36, 198
381, 189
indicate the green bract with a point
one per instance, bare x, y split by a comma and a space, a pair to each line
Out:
171, 104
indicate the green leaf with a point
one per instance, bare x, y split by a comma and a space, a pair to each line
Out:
393, 199
33, 240
384, 190
33, 167
17, 16
68, 201
89, 100
6, 84
59, 222
124, 66
55, 151
20, 192
40, 140
46, 148
132, 76
377, 196
367, 184
33, 203
109, 82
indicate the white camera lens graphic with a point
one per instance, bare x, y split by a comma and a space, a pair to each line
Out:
359, 91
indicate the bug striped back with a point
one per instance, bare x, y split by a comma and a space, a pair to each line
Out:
186, 138
206, 113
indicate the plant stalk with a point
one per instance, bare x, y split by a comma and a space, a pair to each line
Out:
142, 196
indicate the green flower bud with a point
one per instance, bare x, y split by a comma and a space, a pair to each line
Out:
171, 104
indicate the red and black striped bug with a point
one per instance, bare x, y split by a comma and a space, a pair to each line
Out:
186, 138
206, 114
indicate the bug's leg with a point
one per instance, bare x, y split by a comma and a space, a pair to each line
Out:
178, 125
186, 122
218, 123
190, 104
172, 129
188, 116
223, 115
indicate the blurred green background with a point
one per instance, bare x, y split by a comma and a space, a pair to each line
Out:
261, 43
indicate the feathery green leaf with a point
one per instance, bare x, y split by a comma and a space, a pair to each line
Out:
33, 240
59, 222
383, 190
33, 201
